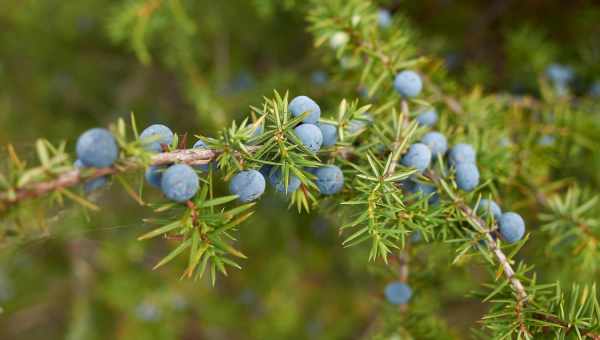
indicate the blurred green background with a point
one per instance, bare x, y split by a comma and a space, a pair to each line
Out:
68, 65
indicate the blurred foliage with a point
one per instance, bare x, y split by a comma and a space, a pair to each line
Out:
201, 64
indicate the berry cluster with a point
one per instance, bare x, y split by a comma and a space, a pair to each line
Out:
249, 185
461, 159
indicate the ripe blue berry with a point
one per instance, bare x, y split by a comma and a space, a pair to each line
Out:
202, 146
546, 140
91, 184
427, 118
467, 176
179, 183
97, 148
276, 179
427, 190
310, 135
330, 179
248, 185
488, 206
461, 153
302, 104
265, 170
512, 227
329, 132
153, 175
416, 236
408, 84
154, 135
384, 18
418, 157
356, 125
318, 77
436, 142
560, 74
398, 293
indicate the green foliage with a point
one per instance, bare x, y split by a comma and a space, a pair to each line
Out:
194, 61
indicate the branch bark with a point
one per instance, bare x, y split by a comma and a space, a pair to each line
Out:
76, 176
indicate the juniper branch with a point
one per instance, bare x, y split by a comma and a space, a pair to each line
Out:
74, 177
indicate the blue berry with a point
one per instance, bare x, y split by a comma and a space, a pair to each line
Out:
248, 185
153, 175
318, 77
302, 104
467, 176
330, 179
416, 236
179, 183
398, 293
436, 142
409, 186
310, 135
355, 125
418, 157
594, 90
408, 84
91, 184
427, 118
427, 190
461, 153
546, 140
560, 74
277, 180
97, 148
154, 135
202, 146
384, 18
329, 132
265, 170
512, 227
488, 206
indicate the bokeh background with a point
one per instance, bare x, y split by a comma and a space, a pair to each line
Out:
195, 65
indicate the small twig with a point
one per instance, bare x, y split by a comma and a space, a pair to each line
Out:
75, 176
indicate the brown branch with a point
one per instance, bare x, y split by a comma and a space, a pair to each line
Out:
76, 176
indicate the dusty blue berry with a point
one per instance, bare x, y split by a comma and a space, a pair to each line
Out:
310, 135
97, 148
248, 185
512, 227
436, 142
488, 206
202, 146
302, 104
546, 140
408, 84
560, 74
318, 77
153, 175
398, 293
265, 170
179, 183
91, 184
277, 180
467, 176
427, 118
356, 125
461, 153
427, 190
154, 135
329, 132
416, 236
330, 179
384, 18
418, 157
